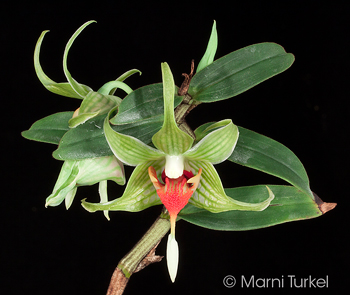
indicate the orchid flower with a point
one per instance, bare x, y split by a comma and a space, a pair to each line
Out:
75, 173
186, 171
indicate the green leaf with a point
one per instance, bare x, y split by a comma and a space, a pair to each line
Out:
290, 204
239, 71
49, 129
267, 155
88, 140
64, 89
78, 88
144, 103
170, 139
209, 54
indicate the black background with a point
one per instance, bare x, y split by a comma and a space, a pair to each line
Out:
54, 251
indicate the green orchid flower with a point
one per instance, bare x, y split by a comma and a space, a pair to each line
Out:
75, 173
186, 170
94, 103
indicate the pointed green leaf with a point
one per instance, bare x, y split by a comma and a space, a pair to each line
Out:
239, 71
138, 195
170, 139
217, 146
210, 194
78, 88
265, 154
144, 103
128, 149
209, 54
64, 89
49, 129
289, 204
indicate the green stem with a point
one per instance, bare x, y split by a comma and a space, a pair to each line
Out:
155, 233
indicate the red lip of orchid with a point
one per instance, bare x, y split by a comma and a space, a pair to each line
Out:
176, 192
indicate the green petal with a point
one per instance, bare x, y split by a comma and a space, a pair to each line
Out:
128, 149
209, 54
102, 190
138, 195
65, 183
112, 86
210, 194
64, 89
81, 91
216, 146
94, 170
170, 139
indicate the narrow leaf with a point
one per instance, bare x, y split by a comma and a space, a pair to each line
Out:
49, 129
209, 54
239, 71
265, 154
290, 204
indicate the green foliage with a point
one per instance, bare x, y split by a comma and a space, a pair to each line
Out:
142, 115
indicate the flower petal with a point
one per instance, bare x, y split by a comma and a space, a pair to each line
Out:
170, 139
78, 88
102, 190
128, 149
210, 194
216, 146
172, 256
138, 195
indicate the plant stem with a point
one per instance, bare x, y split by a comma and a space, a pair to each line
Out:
141, 255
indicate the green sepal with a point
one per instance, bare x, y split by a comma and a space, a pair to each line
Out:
209, 54
170, 139
210, 194
81, 91
94, 104
102, 190
88, 140
111, 86
49, 129
138, 195
289, 204
217, 145
64, 89
128, 149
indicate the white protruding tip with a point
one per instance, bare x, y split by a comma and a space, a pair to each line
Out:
172, 256
174, 166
